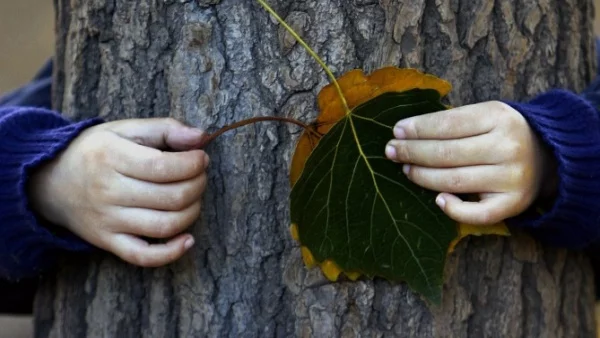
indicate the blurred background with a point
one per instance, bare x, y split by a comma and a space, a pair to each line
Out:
27, 40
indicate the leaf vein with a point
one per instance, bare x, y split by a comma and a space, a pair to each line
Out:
378, 192
347, 208
333, 162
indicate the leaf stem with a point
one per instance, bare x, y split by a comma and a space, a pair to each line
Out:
310, 51
213, 136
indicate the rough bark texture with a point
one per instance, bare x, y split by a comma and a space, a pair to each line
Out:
212, 62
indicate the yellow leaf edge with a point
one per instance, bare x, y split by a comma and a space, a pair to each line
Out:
331, 270
465, 230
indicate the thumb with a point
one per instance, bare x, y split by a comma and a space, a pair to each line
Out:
159, 133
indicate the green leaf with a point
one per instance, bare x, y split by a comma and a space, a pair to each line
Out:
355, 207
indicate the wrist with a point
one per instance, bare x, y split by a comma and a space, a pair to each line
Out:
549, 180
42, 195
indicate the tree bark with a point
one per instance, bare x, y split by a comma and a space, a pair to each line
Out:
211, 63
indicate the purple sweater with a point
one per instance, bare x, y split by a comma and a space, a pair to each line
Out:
32, 134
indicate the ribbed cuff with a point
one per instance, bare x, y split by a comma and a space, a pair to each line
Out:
30, 137
571, 127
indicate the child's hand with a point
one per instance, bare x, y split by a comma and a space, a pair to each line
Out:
487, 149
112, 186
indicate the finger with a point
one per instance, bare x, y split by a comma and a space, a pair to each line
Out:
155, 223
477, 179
465, 121
148, 164
167, 196
446, 153
160, 133
490, 210
139, 252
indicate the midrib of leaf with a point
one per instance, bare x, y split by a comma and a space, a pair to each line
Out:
378, 192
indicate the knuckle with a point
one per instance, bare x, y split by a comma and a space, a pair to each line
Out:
500, 108
403, 152
179, 199
158, 166
96, 151
191, 215
411, 129
197, 163
513, 148
449, 121
445, 154
168, 228
510, 117
455, 182
136, 257
102, 191
520, 177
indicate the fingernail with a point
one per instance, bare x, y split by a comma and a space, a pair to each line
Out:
406, 169
399, 132
206, 161
188, 243
390, 152
440, 201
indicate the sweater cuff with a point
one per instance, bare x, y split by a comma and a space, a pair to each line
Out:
570, 126
30, 137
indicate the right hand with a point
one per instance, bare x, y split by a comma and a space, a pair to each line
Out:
487, 149
113, 186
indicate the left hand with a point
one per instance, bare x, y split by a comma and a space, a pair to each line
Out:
117, 185
486, 149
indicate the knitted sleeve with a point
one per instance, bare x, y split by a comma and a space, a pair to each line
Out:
30, 134
570, 125
29, 137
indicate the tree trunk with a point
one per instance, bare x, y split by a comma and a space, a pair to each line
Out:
212, 62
